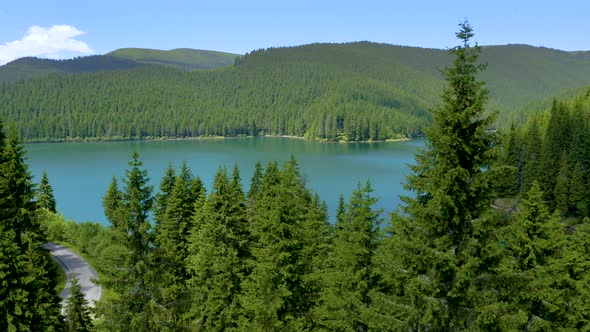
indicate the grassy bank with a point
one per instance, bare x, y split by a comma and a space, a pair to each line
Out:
61, 277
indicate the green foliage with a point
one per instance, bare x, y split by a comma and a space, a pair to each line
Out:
533, 166
28, 300
171, 237
348, 275
578, 190
61, 278
288, 227
562, 185
132, 227
219, 253
77, 317
45, 197
554, 150
570, 278
537, 232
352, 92
541, 282
95, 242
161, 200
535, 252
428, 266
112, 203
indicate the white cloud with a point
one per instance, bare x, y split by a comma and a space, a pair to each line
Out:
45, 42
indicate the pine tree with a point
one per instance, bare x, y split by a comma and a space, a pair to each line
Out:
316, 238
166, 186
281, 288
428, 265
340, 212
537, 231
220, 248
349, 275
171, 240
28, 301
45, 197
132, 310
77, 312
532, 168
137, 201
570, 278
255, 185
561, 190
555, 142
508, 168
580, 151
111, 203
198, 192
535, 239
578, 190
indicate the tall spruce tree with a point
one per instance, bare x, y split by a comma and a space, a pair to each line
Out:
280, 290
45, 198
561, 190
220, 249
28, 301
556, 140
132, 310
578, 190
111, 203
340, 212
508, 167
77, 313
570, 278
533, 167
536, 241
198, 192
428, 266
348, 276
166, 186
171, 240
255, 185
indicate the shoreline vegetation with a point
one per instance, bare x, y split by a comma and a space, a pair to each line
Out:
165, 138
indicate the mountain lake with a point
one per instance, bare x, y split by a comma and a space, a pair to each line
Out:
81, 172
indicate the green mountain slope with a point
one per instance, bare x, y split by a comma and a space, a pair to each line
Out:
30, 67
183, 58
121, 59
354, 91
520, 74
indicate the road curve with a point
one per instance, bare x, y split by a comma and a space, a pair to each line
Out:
75, 266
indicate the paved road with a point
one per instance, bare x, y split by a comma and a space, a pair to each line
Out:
76, 266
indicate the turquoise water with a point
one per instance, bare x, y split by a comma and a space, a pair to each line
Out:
81, 172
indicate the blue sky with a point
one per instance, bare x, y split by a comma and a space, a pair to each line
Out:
61, 29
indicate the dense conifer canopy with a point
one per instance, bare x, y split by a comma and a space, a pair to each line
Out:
450, 259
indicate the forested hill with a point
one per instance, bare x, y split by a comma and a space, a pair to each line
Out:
515, 76
121, 59
183, 58
31, 67
354, 91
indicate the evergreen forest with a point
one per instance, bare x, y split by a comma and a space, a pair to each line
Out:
494, 235
332, 92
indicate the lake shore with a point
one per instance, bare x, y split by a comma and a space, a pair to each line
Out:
196, 138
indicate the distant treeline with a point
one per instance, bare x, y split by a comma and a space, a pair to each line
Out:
298, 99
